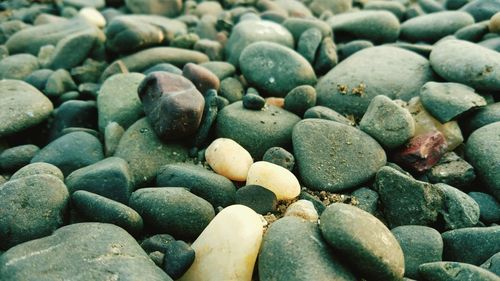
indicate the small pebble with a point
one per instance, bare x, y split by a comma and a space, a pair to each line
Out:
227, 158
303, 209
279, 180
279, 156
253, 101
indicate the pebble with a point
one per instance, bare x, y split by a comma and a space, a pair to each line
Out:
406, 201
92, 15
38, 78
420, 244
483, 116
58, 83
202, 78
156, 243
297, 26
172, 210
228, 158
349, 87
229, 243
387, 122
31, 207
256, 131
18, 67
422, 152
465, 62
332, 156
346, 50
280, 69
494, 23
231, 89
110, 178
322, 112
460, 210
96, 4
303, 209
441, 271
473, 245
481, 9
216, 189
118, 100
290, 239
300, 99
280, 157
253, 101
452, 170
447, 101
98, 251
94, 207
367, 199
279, 180
71, 152
74, 49
21, 106
493, 264
38, 169
256, 197
73, 113
15, 158
395, 7
473, 32
368, 245
170, 8
112, 136
179, 256
489, 207
309, 43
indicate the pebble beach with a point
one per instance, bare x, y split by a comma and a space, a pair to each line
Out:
250, 140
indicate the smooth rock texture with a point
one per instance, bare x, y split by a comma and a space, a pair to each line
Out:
256, 197
21, 106
38, 169
171, 210
468, 63
332, 156
169, 8
202, 78
275, 69
227, 158
118, 100
280, 156
179, 256
489, 207
18, 67
443, 271
300, 99
367, 199
279, 180
291, 239
493, 264
84, 251
459, 210
31, 207
472, 245
349, 87
482, 152
230, 243
364, 240
303, 209
17, 157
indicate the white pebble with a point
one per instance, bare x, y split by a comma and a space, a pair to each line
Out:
93, 16
303, 209
275, 178
226, 157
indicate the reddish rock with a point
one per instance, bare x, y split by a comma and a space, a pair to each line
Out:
422, 151
201, 77
172, 104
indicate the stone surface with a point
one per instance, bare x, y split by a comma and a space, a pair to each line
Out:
279, 156
31, 207
452, 170
227, 158
332, 156
170, 8
302, 209
202, 78
256, 197
58, 83
38, 169
118, 100
73, 113
367, 199
489, 207
365, 241
308, 43
172, 104
468, 63
17, 157
179, 256
493, 264
291, 239
172, 210
472, 245
349, 87
322, 112
21, 106
275, 69
459, 210
216, 189
229, 243
157, 243
482, 152
253, 101
483, 116
300, 99
441, 271
406, 200
18, 67
84, 251
279, 180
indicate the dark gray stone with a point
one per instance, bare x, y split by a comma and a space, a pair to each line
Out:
459, 209
94, 207
452, 170
364, 241
279, 156
420, 244
58, 83
291, 239
253, 101
256, 197
489, 207
17, 157
156, 243
322, 112
472, 245
326, 57
444, 271
84, 251
367, 199
300, 99
109, 178
71, 152
73, 113
407, 201
38, 169
216, 189
171, 210
210, 111
179, 256
18, 67
354, 46
231, 89
38, 78
332, 156
31, 207
482, 117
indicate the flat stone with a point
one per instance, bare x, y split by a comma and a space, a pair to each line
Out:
473, 245
442, 271
216, 189
279, 180
83, 251
460, 210
290, 239
332, 156
21, 106
229, 159
73, 49
365, 241
172, 210
275, 69
482, 152
468, 63
407, 201
170, 8
157, 243
18, 67
31, 207
118, 100
489, 207
349, 87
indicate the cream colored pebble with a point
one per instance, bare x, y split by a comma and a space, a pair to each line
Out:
303, 209
275, 178
226, 157
93, 16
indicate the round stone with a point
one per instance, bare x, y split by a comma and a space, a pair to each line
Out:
279, 180
227, 158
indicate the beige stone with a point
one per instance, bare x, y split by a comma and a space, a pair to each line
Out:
303, 209
226, 157
494, 24
93, 16
279, 180
228, 247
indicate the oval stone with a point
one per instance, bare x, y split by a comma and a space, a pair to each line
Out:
366, 242
226, 157
275, 69
279, 180
332, 156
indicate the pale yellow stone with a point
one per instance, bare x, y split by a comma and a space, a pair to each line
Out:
424, 123
279, 180
228, 247
226, 157
303, 209
93, 16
